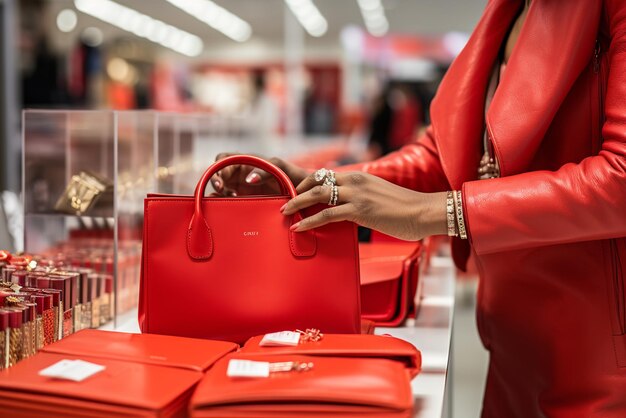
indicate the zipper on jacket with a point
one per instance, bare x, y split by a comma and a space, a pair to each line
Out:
598, 114
596, 56
619, 293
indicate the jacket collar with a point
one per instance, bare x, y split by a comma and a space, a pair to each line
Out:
554, 46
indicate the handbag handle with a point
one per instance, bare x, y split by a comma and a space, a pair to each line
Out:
199, 237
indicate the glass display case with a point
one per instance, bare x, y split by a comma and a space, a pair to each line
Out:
85, 175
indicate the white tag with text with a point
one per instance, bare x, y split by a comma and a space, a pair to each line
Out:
283, 338
74, 370
248, 368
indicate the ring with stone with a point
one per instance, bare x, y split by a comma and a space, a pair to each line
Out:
320, 174
325, 175
330, 179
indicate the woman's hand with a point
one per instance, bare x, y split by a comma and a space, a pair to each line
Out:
246, 180
374, 203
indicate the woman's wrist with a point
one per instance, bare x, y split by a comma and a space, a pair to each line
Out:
432, 216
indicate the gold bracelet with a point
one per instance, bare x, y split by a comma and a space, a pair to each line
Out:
460, 220
452, 231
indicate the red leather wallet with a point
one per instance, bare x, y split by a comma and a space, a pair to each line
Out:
122, 389
346, 346
389, 281
333, 387
164, 350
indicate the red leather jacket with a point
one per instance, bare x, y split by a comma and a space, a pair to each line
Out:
549, 236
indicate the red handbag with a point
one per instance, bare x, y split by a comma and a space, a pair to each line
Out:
389, 281
230, 268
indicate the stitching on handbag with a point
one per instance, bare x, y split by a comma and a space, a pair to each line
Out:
294, 250
209, 253
357, 271
219, 200
146, 264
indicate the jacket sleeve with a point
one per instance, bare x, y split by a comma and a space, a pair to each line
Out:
415, 166
578, 202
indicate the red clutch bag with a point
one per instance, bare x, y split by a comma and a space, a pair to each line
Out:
237, 270
389, 281
346, 346
123, 389
331, 387
161, 350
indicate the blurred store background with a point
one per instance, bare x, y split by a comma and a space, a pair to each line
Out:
322, 82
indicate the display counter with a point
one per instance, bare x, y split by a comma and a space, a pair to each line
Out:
431, 333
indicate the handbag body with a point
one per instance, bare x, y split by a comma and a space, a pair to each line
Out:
389, 281
230, 268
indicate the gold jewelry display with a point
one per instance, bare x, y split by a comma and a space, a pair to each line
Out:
82, 193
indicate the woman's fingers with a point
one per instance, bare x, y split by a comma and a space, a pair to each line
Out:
318, 194
333, 214
308, 183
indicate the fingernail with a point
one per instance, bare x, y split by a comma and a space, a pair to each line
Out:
294, 226
282, 208
253, 178
216, 184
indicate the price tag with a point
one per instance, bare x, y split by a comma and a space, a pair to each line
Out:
279, 339
248, 368
74, 370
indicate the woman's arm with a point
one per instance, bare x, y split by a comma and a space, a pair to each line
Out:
579, 202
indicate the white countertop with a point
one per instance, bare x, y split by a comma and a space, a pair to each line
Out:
431, 333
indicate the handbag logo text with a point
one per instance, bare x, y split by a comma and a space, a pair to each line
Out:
250, 234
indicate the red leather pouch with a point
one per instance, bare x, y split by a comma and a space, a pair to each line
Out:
243, 270
389, 281
346, 346
332, 387
163, 350
122, 389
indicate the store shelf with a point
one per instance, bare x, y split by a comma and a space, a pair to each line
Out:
431, 333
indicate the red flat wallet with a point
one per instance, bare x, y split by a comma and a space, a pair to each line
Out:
165, 350
333, 387
345, 346
121, 389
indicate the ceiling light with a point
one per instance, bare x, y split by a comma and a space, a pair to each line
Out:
374, 16
66, 20
216, 17
309, 16
142, 25
92, 36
